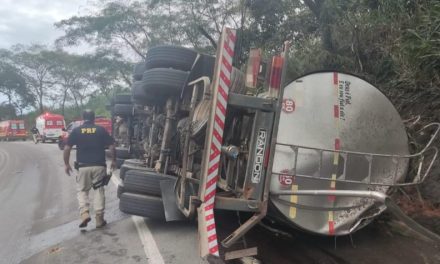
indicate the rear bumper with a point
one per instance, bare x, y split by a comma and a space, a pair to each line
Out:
51, 137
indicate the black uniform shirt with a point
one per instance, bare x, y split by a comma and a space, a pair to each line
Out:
90, 141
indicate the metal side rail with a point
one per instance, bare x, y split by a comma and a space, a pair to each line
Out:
377, 197
422, 165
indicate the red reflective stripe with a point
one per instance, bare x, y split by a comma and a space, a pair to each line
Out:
225, 79
214, 249
220, 122
212, 238
209, 217
218, 136
336, 111
337, 144
266, 157
211, 170
335, 78
211, 194
231, 35
210, 227
222, 93
209, 207
221, 107
275, 73
227, 64
331, 227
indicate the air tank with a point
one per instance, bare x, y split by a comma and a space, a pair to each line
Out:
324, 115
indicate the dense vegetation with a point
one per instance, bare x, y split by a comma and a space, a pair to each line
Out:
393, 44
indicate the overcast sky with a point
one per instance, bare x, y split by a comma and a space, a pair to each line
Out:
31, 21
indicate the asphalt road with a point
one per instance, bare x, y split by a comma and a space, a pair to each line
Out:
39, 224
39, 218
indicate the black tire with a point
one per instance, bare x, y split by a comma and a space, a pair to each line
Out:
122, 99
203, 67
144, 182
127, 167
119, 162
136, 162
138, 70
166, 82
170, 57
142, 205
141, 97
123, 109
122, 153
120, 190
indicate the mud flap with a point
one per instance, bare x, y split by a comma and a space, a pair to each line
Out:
172, 212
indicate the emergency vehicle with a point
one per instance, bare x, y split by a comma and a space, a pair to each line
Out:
12, 130
50, 126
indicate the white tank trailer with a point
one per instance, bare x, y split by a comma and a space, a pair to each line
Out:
327, 118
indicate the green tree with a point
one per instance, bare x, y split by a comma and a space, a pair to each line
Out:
138, 25
7, 111
108, 72
13, 86
69, 75
35, 64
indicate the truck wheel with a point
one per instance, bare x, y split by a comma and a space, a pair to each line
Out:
170, 57
127, 167
120, 190
122, 99
122, 153
144, 182
123, 109
140, 95
138, 70
119, 162
135, 162
142, 205
166, 82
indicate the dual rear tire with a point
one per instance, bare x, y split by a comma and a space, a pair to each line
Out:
140, 193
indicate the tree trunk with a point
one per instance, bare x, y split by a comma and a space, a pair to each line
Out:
40, 97
64, 101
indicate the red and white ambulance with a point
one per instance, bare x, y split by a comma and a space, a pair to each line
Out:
12, 130
50, 126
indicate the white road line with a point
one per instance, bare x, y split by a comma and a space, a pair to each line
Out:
150, 247
149, 244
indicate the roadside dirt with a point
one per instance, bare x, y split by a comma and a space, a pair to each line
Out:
422, 203
385, 240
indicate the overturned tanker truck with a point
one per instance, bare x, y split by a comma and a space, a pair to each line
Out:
322, 153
